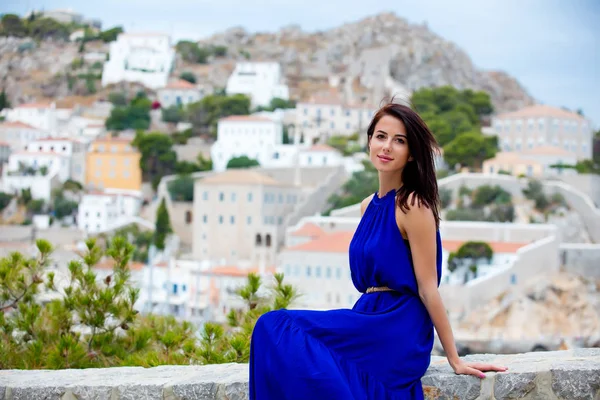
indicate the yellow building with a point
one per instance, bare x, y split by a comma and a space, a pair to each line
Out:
113, 163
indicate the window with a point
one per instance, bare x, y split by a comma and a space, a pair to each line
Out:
249, 220
268, 240
205, 218
221, 196
308, 271
258, 240
220, 219
205, 195
328, 272
249, 197
126, 174
280, 198
188, 217
233, 197
232, 219
338, 273
279, 220
318, 271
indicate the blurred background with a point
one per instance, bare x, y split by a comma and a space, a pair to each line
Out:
223, 139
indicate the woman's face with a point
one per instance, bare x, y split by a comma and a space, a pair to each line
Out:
388, 147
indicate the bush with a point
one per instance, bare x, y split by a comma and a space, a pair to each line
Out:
93, 323
445, 197
465, 214
242, 162
182, 188
188, 76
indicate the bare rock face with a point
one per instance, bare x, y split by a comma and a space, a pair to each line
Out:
382, 52
31, 70
377, 57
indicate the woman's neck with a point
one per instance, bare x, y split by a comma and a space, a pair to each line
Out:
389, 181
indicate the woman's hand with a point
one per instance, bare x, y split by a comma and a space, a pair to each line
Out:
475, 368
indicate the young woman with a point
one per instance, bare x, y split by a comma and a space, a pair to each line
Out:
380, 348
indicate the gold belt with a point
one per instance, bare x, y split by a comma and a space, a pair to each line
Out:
373, 289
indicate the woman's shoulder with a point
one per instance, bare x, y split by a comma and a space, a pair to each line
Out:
365, 203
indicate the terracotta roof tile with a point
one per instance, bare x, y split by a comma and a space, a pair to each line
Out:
336, 242
309, 230
109, 264
541, 110
17, 124
180, 84
497, 247
232, 270
35, 105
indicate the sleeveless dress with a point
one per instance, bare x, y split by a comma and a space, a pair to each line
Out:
379, 349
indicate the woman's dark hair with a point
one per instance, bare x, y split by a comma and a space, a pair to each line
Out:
418, 176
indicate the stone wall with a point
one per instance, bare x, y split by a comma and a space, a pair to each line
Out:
581, 259
573, 374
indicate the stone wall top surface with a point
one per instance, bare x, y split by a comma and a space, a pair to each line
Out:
573, 374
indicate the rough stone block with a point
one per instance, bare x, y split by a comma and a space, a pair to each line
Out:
578, 380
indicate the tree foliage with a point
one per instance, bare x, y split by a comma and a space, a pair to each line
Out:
158, 157
469, 255
470, 149
136, 115
93, 322
205, 114
182, 188
163, 226
242, 162
360, 185
451, 113
188, 76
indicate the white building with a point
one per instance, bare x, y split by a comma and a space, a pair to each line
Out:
505, 254
245, 135
320, 155
261, 81
319, 269
144, 58
72, 153
179, 93
539, 162
18, 134
4, 152
44, 116
100, 211
41, 186
239, 216
541, 125
323, 117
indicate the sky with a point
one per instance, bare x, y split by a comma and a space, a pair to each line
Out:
552, 47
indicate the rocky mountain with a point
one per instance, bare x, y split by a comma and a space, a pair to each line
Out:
367, 60
371, 58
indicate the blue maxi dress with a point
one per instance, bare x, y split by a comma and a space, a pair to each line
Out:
379, 349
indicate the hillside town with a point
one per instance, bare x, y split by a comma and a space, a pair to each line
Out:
245, 153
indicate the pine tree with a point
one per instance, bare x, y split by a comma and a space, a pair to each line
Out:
4, 103
163, 226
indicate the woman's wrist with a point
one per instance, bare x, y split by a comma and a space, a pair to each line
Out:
453, 360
